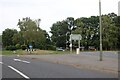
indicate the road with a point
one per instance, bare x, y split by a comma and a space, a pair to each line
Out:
20, 67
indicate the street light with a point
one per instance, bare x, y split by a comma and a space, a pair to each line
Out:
100, 24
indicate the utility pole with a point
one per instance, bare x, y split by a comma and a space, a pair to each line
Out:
100, 25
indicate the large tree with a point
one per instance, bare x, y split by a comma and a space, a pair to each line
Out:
59, 31
109, 33
31, 33
89, 30
7, 37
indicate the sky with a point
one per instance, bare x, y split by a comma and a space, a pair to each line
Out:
50, 11
119, 8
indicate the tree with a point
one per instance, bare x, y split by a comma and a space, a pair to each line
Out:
109, 33
7, 37
117, 24
88, 28
59, 30
0, 39
31, 33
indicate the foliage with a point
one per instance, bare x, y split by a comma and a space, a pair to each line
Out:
7, 36
11, 48
89, 30
31, 34
0, 38
59, 31
18, 46
23, 47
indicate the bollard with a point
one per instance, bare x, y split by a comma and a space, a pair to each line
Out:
77, 51
14, 52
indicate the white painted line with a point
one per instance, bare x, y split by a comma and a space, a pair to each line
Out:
26, 62
1, 62
21, 61
16, 59
19, 72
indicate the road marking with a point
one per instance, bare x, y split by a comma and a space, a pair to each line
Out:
19, 72
25, 61
1, 62
17, 60
21, 61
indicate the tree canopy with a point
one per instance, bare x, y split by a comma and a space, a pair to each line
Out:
31, 34
89, 30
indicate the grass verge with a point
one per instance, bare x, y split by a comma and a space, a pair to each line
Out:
37, 52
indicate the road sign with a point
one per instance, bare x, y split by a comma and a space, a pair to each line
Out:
75, 37
30, 46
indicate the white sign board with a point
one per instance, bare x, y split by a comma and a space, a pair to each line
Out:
75, 37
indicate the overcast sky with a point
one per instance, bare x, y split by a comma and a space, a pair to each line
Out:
50, 11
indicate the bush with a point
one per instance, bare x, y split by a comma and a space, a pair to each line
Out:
18, 46
24, 47
51, 47
11, 48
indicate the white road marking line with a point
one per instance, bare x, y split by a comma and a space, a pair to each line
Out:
25, 61
17, 60
21, 61
19, 72
1, 62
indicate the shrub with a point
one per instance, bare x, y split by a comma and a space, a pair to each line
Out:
7, 47
24, 47
51, 47
18, 46
11, 48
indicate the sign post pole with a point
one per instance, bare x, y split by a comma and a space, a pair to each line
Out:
75, 37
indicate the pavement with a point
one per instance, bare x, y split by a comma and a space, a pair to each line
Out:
82, 61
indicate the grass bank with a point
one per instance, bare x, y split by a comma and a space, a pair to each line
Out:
37, 52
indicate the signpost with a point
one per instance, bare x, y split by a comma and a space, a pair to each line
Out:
75, 37
30, 46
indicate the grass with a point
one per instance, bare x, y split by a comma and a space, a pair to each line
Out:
37, 52
5, 52
0, 52
118, 52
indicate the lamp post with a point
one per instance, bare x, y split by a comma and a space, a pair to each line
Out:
100, 24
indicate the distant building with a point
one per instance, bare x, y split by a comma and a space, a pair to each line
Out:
119, 8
